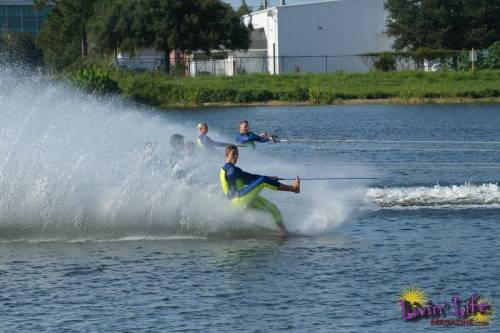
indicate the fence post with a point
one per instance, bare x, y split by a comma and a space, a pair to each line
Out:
274, 58
326, 64
473, 58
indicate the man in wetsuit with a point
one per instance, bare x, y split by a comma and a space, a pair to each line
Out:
204, 141
247, 138
243, 188
178, 147
179, 161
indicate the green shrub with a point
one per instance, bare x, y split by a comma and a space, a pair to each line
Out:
470, 94
178, 69
492, 59
378, 95
386, 63
481, 93
296, 94
259, 95
163, 90
489, 92
431, 94
319, 96
94, 80
195, 96
20, 48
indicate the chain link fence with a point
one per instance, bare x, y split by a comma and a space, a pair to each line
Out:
232, 65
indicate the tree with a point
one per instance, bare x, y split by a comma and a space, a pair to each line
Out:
197, 25
443, 24
111, 27
492, 59
19, 47
385, 62
64, 34
224, 30
244, 9
483, 22
171, 25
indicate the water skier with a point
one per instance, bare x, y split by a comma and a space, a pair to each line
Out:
177, 144
204, 141
190, 149
148, 159
180, 159
243, 188
247, 138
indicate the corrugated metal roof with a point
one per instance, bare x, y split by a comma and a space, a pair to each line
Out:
17, 3
295, 5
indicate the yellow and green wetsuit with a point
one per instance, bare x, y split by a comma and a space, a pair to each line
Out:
243, 188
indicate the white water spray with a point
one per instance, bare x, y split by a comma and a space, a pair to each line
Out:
74, 166
464, 196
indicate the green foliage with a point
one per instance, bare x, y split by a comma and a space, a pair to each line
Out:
20, 48
93, 80
244, 9
425, 53
161, 90
64, 35
385, 62
443, 24
76, 28
320, 96
123, 25
131, 25
256, 95
103, 63
109, 27
492, 59
179, 69
445, 57
295, 94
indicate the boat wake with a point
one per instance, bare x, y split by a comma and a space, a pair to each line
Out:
466, 196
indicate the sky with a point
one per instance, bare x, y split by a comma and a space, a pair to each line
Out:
256, 3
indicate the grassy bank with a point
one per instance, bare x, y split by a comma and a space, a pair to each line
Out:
392, 87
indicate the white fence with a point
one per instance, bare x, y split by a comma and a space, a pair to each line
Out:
211, 67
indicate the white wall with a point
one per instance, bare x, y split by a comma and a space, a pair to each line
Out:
267, 20
305, 34
343, 28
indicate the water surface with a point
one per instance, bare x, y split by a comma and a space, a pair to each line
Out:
93, 240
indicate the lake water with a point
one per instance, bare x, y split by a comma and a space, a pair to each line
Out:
97, 236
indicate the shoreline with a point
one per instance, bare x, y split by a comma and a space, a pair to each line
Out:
404, 88
385, 101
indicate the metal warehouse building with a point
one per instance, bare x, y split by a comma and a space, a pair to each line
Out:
21, 16
324, 36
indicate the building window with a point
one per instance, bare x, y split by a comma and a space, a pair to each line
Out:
22, 18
